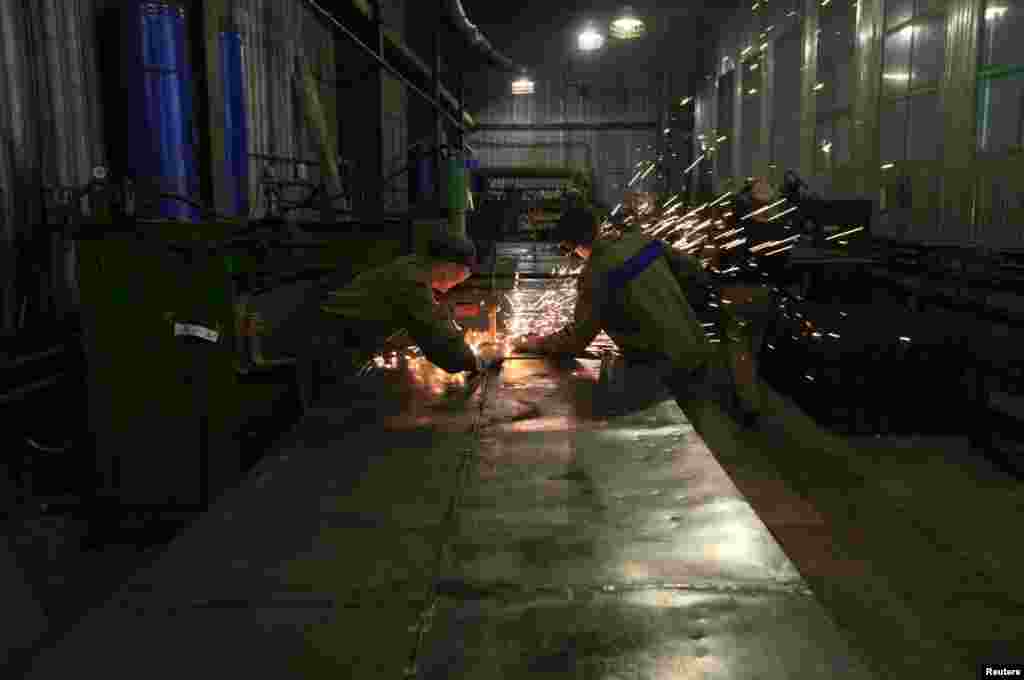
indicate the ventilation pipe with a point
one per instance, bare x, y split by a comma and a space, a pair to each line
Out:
478, 41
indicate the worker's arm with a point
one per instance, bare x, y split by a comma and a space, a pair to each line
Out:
433, 333
696, 284
586, 324
686, 268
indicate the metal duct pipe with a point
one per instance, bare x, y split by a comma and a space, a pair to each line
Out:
477, 40
530, 145
389, 67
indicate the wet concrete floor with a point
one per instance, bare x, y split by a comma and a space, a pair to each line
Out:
417, 526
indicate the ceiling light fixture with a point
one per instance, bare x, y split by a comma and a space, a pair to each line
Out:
590, 40
993, 13
627, 26
522, 85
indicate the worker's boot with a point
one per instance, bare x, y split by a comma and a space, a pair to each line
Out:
697, 396
745, 393
728, 394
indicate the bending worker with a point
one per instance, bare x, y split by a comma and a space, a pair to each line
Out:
395, 301
636, 289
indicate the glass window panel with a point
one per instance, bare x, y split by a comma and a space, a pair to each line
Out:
924, 128
843, 85
893, 131
931, 6
1002, 28
834, 75
824, 143
898, 11
750, 143
1001, 126
723, 160
929, 47
783, 16
726, 97
752, 31
786, 104
896, 72
841, 142
836, 17
836, 48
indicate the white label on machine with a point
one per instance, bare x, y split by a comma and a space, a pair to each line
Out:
196, 332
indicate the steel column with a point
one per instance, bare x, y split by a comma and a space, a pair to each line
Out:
866, 92
375, 190
808, 80
767, 86
958, 96
736, 134
214, 171
437, 130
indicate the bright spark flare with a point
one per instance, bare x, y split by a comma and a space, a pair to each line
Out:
784, 212
694, 164
764, 209
845, 233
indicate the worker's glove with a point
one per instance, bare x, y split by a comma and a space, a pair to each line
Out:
528, 344
488, 364
490, 356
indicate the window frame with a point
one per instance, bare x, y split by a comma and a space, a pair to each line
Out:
985, 76
913, 89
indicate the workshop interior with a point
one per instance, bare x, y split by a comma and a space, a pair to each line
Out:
183, 181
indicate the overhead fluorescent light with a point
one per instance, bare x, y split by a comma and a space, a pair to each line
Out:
522, 85
627, 25
590, 40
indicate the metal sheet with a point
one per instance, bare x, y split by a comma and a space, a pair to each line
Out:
564, 540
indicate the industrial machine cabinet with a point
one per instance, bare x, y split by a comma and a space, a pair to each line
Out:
161, 406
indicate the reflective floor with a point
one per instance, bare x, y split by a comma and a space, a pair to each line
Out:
419, 526
563, 521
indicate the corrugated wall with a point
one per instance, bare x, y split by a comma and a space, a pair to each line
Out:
18, 155
613, 154
276, 34
960, 199
395, 108
51, 130
52, 104
62, 50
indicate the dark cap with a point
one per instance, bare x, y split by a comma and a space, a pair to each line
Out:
577, 226
452, 249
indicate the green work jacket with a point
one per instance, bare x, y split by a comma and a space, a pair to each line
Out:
397, 299
650, 316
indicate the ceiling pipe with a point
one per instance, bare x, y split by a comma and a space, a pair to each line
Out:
478, 41
486, 143
373, 54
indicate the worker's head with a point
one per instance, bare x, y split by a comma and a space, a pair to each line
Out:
446, 275
576, 232
761, 191
452, 259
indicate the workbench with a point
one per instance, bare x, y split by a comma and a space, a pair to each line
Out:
508, 528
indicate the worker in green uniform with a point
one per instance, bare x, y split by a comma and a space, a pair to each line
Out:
638, 290
395, 305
